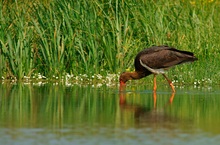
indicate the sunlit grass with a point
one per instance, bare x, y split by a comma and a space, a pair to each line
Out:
102, 37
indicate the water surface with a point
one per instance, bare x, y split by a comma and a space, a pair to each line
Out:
59, 114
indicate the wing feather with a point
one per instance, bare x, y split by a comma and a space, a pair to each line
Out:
164, 58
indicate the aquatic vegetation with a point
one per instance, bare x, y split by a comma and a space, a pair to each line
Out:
56, 38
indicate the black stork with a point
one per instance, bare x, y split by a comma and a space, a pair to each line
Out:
156, 60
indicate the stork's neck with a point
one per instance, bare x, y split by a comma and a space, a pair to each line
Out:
124, 77
135, 75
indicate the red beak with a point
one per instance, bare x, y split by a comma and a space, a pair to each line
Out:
122, 83
122, 86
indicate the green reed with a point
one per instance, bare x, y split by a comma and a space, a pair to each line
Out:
92, 37
16, 43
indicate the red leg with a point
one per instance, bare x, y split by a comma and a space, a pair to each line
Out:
155, 83
171, 98
155, 99
170, 83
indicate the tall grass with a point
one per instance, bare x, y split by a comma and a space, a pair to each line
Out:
87, 37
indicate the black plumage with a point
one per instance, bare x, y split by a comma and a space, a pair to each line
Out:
156, 60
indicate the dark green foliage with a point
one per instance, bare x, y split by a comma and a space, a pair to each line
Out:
87, 37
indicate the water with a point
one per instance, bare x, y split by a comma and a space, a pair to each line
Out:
58, 114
